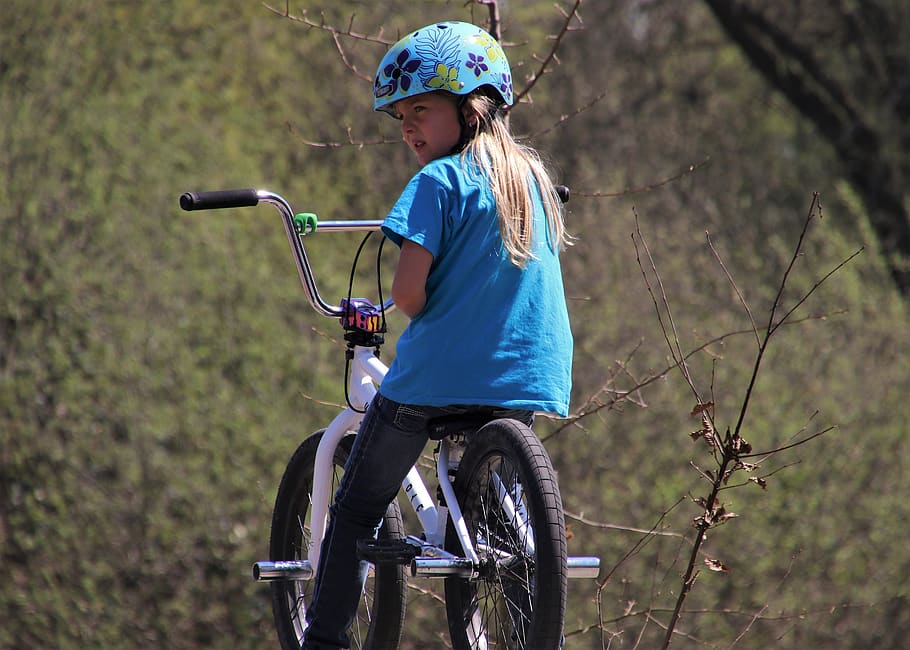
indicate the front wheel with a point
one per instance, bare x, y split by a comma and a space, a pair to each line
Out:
510, 499
380, 615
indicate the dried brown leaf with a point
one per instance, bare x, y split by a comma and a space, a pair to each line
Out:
701, 408
721, 515
739, 445
716, 565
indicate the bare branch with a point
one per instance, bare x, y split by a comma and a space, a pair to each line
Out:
817, 284
346, 61
337, 145
571, 15
673, 343
769, 331
798, 443
734, 447
644, 188
349, 32
739, 293
810, 216
628, 529
647, 536
495, 27
594, 405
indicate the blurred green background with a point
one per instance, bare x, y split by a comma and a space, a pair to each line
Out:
158, 368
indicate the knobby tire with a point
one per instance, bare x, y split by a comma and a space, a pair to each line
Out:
519, 600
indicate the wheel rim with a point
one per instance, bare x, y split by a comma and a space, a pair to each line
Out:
300, 592
502, 598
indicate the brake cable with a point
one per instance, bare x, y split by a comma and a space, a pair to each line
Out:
351, 304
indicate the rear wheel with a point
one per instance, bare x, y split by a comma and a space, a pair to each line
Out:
508, 493
380, 616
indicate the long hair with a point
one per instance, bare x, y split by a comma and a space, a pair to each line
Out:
513, 170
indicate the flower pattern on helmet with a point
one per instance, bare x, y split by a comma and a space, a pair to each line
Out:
505, 85
476, 63
454, 56
446, 78
398, 73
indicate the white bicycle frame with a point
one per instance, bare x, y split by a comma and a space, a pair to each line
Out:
366, 374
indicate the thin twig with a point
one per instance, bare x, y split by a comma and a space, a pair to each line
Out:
739, 294
757, 616
674, 343
349, 32
337, 145
628, 529
592, 406
819, 283
641, 189
646, 537
798, 443
551, 55
770, 329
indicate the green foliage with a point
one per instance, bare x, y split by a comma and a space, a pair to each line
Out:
157, 367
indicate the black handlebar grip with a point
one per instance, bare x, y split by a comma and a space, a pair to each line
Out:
562, 192
219, 199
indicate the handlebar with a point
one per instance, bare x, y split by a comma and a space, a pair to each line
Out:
221, 199
247, 198
218, 200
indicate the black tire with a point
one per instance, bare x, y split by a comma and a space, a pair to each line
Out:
380, 617
519, 600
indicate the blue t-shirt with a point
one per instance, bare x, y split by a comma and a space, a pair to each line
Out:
490, 333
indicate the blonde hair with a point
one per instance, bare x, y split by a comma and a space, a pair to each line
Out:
510, 167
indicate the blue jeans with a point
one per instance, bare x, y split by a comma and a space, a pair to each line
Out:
390, 441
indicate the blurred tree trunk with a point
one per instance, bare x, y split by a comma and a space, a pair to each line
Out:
843, 65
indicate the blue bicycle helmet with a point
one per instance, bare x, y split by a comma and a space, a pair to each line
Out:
453, 56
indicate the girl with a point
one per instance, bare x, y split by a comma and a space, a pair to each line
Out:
480, 229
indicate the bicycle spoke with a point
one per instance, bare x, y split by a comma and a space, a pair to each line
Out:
291, 540
501, 609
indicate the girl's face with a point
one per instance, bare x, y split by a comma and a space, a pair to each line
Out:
429, 124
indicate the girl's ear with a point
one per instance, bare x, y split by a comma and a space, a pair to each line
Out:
469, 113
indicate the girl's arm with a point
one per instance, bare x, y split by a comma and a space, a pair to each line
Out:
409, 285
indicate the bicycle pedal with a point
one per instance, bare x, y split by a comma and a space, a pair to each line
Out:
386, 551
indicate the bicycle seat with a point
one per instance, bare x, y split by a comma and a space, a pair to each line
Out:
447, 425
472, 419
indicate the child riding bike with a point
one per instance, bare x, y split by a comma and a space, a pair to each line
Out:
480, 229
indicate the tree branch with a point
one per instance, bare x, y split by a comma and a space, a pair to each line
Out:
571, 15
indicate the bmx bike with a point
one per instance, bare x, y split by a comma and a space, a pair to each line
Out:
494, 533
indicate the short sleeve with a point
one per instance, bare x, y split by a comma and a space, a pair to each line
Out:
418, 215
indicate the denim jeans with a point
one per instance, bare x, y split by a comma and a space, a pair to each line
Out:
390, 441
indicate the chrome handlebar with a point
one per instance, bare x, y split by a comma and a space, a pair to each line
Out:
221, 199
